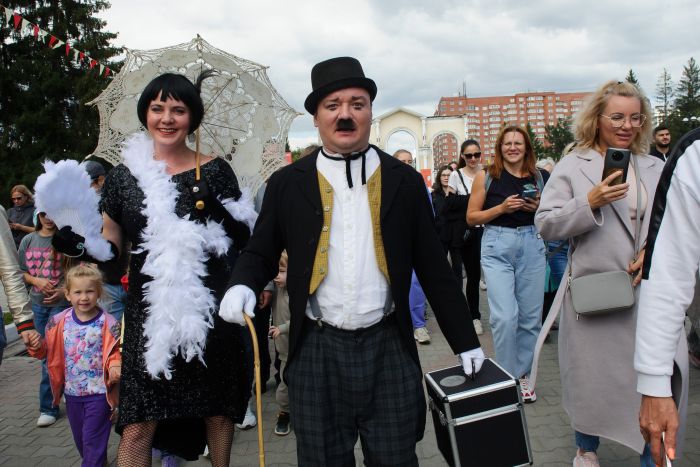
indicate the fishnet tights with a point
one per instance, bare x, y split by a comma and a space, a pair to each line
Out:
219, 439
137, 439
135, 445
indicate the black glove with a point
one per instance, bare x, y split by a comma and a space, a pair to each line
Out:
68, 242
73, 245
215, 210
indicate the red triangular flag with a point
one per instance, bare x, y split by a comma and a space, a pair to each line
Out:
107, 71
67, 48
36, 31
18, 20
92, 63
52, 40
82, 56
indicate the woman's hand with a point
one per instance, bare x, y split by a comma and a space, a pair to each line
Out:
531, 204
603, 193
512, 204
635, 267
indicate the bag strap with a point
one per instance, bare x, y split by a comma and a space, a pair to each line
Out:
550, 254
459, 172
638, 226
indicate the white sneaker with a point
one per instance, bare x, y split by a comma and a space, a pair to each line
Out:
249, 421
477, 327
482, 285
421, 335
586, 459
526, 390
45, 420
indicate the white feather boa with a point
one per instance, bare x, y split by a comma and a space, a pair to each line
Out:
63, 192
179, 307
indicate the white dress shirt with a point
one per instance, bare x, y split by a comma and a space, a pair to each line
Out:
353, 293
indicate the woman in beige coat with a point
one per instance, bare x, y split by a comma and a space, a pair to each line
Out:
596, 352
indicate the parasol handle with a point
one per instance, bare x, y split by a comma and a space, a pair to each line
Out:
258, 388
197, 173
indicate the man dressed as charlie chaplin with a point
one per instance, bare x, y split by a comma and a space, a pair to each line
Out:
355, 222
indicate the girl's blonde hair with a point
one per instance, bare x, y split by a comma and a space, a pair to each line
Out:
284, 259
586, 120
85, 271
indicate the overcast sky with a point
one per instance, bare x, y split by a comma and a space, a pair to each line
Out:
418, 51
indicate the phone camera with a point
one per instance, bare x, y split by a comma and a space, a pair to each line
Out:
617, 156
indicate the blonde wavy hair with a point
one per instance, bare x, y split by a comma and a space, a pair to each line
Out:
586, 120
85, 271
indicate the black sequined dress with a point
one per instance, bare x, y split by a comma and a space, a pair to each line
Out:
195, 390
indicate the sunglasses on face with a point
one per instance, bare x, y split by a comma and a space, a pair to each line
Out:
475, 155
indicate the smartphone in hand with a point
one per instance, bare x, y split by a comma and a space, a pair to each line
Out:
616, 160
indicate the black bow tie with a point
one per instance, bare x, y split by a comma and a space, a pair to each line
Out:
351, 157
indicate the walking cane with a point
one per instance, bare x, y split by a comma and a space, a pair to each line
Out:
258, 388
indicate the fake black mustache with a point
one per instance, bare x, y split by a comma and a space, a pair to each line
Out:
345, 125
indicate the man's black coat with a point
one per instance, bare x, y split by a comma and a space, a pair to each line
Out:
291, 219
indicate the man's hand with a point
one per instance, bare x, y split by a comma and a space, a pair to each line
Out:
475, 357
265, 299
239, 299
659, 415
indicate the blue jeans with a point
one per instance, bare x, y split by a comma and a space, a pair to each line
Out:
591, 443
41, 318
557, 262
513, 260
416, 302
113, 300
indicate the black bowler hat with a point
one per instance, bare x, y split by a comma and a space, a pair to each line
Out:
334, 74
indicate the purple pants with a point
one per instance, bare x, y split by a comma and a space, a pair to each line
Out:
89, 421
416, 302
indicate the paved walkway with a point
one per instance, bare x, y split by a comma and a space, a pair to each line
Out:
23, 444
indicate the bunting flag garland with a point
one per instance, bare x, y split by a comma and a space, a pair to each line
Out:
12, 19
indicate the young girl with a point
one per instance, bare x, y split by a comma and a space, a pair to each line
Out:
84, 363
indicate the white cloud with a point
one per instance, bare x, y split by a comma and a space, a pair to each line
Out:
418, 51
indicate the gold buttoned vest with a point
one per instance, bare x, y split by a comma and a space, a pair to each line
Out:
374, 197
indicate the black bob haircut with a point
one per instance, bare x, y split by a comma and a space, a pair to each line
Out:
180, 88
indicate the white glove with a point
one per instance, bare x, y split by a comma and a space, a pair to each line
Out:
239, 299
475, 357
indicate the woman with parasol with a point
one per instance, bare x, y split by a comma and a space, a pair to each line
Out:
183, 367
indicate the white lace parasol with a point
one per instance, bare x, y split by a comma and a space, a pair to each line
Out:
246, 121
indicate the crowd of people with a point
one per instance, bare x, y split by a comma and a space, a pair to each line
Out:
345, 250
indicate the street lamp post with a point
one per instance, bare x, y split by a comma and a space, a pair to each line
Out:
693, 121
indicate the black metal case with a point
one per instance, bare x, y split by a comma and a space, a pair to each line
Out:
479, 422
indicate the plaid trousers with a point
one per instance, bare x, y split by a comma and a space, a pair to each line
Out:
348, 383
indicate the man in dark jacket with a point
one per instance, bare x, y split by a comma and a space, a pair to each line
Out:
355, 222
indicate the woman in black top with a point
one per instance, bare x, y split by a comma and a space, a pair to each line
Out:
504, 198
183, 373
438, 195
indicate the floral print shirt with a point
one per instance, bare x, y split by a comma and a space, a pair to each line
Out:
82, 342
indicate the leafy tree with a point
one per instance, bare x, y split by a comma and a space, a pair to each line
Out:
664, 95
688, 90
686, 103
537, 145
557, 137
632, 77
43, 92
